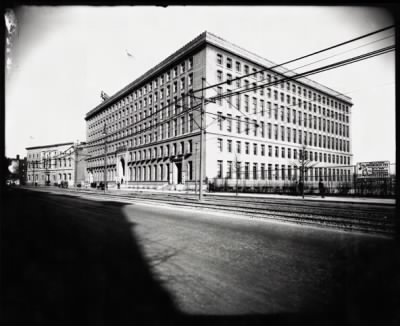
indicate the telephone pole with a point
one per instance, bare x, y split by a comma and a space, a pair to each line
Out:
105, 156
201, 140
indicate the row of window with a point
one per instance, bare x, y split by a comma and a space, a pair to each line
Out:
180, 148
279, 172
156, 172
50, 163
141, 93
173, 128
260, 149
61, 177
327, 126
271, 77
261, 106
162, 112
293, 135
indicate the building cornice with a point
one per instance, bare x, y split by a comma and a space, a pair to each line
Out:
202, 40
176, 56
47, 146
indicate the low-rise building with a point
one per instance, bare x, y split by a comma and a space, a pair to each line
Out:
57, 163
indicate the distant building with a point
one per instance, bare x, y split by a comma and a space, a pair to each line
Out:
152, 125
52, 164
16, 170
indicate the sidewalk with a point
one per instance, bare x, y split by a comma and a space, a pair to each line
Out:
349, 199
338, 199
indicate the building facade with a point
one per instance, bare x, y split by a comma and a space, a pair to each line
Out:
256, 128
56, 163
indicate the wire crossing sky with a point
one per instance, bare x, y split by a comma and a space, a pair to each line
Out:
62, 58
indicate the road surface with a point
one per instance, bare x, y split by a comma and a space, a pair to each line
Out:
74, 259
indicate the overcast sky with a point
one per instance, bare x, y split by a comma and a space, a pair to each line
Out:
62, 58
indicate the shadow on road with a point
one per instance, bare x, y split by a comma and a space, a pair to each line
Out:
85, 266
80, 265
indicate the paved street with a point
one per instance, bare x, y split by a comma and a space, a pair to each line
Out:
79, 260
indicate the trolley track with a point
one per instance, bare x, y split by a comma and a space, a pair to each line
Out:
375, 219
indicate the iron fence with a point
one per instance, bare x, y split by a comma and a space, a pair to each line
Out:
351, 183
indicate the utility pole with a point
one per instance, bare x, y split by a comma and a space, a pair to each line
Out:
237, 170
105, 156
195, 168
201, 140
76, 166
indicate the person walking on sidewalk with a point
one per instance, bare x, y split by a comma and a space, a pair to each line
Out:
321, 188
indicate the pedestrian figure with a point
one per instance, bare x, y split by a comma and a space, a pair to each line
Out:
321, 188
118, 185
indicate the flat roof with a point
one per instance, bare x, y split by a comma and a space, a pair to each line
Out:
46, 146
200, 41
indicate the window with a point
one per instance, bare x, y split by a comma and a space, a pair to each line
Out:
219, 92
246, 103
238, 170
255, 168
219, 59
229, 170
238, 124
255, 149
219, 144
229, 63
229, 123
276, 151
219, 169
238, 66
219, 76
220, 120
246, 170
247, 148
229, 145
262, 171
238, 147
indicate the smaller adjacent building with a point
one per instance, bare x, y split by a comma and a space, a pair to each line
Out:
56, 163
16, 170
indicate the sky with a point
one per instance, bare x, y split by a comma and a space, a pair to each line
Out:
61, 58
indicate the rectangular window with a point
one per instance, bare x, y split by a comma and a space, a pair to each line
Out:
229, 146
229, 170
219, 58
238, 147
255, 168
229, 123
229, 63
238, 124
219, 169
247, 170
219, 145
238, 67
262, 170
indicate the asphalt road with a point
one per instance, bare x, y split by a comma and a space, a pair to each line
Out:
68, 259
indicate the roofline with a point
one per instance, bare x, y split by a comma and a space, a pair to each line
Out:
178, 54
212, 39
219, 42
45, 146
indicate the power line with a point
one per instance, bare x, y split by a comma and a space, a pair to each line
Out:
302, 57
290, 61
313, 71
317, 70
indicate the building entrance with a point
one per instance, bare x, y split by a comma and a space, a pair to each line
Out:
121, 170
179, 173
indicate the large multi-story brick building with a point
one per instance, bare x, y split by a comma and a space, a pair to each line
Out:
151, 132
52, 164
